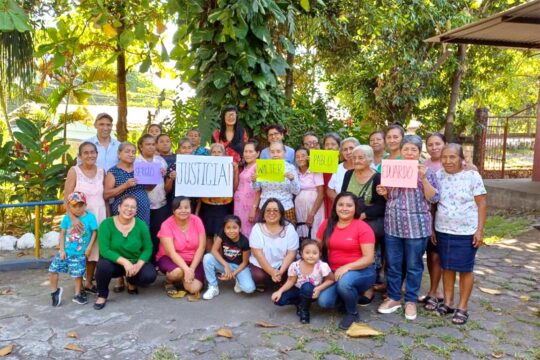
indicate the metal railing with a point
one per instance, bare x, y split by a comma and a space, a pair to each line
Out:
37, 215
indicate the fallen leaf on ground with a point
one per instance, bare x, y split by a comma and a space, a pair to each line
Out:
195, 297
285, 350
265, 324
72, 334
525, 298
490, 291
6, 350
361, 330
74, 347
177, 295
497, 354
7, 291
21, 254
224, 332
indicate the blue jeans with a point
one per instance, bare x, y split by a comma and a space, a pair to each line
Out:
347, 289
211, 265
293, 295
400, 250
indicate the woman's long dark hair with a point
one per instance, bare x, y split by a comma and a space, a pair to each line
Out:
237, 142
333, 218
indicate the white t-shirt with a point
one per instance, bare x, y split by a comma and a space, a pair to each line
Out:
336, 181
274, 248
457, 212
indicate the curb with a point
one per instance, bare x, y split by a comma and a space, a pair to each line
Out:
25, 264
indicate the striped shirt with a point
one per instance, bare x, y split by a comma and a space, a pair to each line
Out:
408, 212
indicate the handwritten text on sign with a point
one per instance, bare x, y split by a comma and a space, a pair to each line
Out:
204, 176
271, 170
323, 161
400, 173
147, 173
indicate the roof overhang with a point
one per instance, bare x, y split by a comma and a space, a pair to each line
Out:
518, 27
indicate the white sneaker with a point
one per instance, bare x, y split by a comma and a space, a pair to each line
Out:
237, 288
410, 310
389, 306
212, 292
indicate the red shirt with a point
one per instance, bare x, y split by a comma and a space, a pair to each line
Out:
344, 244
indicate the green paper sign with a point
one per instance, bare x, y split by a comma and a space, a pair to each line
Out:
323, 161
271, 170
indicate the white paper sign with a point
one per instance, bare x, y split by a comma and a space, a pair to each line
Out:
204, 176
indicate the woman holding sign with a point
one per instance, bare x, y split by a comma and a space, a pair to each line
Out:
393, 137
331, 141
159, 210
245, 198
336, 181
281, 190
120, 181
308, 203
408, 227
230, 134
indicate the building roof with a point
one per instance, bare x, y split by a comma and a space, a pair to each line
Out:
518, 27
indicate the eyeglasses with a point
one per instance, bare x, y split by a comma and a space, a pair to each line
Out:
311, 143
271, 211
131, 207
274, 134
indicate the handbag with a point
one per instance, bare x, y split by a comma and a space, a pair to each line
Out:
377, 224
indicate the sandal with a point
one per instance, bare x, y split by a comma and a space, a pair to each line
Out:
432, 303
460, 317
444, 309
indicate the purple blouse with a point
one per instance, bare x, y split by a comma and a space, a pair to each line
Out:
408, 213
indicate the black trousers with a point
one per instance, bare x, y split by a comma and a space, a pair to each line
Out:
106, 270
157, 216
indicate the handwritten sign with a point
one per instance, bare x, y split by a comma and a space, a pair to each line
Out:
323, 161
400, 173
271, 170
204, 176
147, 173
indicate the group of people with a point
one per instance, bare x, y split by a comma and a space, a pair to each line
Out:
333, 239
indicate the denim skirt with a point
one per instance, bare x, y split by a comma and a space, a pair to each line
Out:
456, 252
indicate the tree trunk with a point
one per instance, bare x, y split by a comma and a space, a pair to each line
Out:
121, 97
289, 79
454, 95
3, 106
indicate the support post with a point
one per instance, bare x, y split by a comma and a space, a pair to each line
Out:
37, 224
536, 159
480, 119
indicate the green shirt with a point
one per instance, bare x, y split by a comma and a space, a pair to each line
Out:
355, 187
137, 245
379, 167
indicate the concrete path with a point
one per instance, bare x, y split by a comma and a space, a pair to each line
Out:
153, 326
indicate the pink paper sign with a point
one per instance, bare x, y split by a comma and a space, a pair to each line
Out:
400, 173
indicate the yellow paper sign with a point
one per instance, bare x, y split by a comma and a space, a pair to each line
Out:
323, 161
271, 170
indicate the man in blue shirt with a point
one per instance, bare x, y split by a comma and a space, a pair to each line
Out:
107, 146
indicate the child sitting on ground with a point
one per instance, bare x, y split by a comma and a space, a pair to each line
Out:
75, 246
307, 277
230, 257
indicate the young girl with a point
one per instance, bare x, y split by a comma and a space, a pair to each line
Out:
307, 278
230, 257
244, 197
212, 210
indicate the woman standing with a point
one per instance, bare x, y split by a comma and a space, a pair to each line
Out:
273, 243
376, 141
407, 228
125, 248
156, 193
336, 181
308, 203
88, 179
181, 249
459, 225
245, 197
393, 136
331, 141
120, 181
284, 190
164, 149
185, 147
230, 134
350, 244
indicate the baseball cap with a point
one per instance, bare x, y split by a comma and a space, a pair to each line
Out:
76, 198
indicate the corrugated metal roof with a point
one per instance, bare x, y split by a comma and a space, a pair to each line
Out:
518, 27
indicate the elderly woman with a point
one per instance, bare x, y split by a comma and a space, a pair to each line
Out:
407, 227
273, 241
181, 250
125, 248
459, 225
277, 132
283, 190
350, 244
230, 134
120, 181
336, 181
363, 181
308, 203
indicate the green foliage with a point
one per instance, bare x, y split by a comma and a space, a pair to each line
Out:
36, 161
232, 52
185, 115
498, 227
